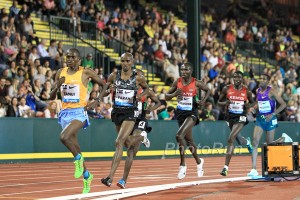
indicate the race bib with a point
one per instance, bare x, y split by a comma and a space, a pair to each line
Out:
70, 93
186, 103
264, 107
124, 97
274, 122
142, 124
236, 107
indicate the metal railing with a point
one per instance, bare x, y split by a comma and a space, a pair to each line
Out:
74, 33
66, 30
266, 57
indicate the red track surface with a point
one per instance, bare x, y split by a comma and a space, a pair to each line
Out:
43, 180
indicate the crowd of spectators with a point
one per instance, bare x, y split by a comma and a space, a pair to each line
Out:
28, 64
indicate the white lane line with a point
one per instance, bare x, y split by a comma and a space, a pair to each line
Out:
122, 193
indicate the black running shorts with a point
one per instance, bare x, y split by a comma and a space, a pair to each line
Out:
143, 125
232, 119
120, 115
181, 115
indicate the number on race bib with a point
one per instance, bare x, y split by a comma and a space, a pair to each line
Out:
142, 124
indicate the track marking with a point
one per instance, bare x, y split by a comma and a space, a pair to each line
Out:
117, 194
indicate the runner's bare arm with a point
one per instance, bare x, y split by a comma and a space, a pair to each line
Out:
91, 74
154, 98
141, 81
173, 91
223, 94
57, 83
201, 85
279, 99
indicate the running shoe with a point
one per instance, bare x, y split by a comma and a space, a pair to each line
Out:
249, 145
224, 172
200, 170
286, 138
253, 172
87, 184
182, 172
106, 181
121, 183
146, 142
78, 167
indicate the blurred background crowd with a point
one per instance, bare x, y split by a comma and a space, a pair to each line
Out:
28, 64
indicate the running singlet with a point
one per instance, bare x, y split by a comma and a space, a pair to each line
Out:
74, 93
189, 92
266, 105
141, 105
237, 98
125, 93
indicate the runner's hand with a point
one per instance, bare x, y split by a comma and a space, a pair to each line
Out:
178, 93
60, 81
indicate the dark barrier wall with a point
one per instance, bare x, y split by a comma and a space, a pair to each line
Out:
19, 136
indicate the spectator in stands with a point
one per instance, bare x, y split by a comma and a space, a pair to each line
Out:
159, 57
109, 108
28, 31
37, 87
207, 114
45, 93
171, 69
40, 75
213, 72
52, 50
88, 61
290, 75
44, 55
33, 54
148, 29
13, 109
51, 110
13, 10
25, 110
4, 90
49, 8
13, 88
2, 107
25, 12
167, 114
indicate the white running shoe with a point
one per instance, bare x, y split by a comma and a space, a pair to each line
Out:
200, 170
253, 172
146, 141
286, 138
182, 172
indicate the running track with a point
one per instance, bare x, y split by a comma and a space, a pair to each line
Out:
55, 179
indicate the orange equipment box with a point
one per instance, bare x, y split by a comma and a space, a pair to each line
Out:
280, 159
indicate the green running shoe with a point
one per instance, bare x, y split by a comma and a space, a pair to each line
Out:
87, 184
249, 145
224, 172
78, 167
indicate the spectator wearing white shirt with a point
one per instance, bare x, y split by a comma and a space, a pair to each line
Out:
44, 55
24, 109
40, 75
33, 54
2, 107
